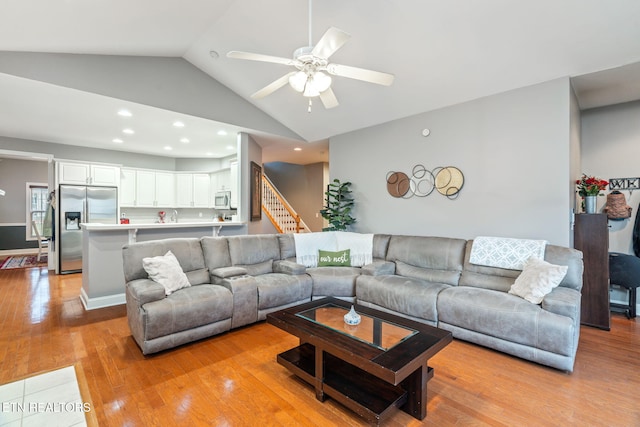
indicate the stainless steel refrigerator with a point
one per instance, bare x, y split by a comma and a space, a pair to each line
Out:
82, 204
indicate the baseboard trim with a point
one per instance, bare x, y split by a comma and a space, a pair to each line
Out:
101, 302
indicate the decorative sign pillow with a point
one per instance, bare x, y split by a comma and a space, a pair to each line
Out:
336, 259
537, 279
166, 270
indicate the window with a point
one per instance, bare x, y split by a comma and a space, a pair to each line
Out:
37, 194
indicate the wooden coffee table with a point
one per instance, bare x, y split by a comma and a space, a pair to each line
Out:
371, 368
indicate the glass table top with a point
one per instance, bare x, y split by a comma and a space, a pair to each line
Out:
371, 330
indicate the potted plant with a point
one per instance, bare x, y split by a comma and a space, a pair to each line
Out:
588, 188
338, 204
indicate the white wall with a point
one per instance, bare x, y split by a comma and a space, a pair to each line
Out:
611, 149
514, 149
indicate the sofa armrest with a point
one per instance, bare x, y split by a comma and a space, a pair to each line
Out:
379, 268
563, 301
145, 290
288, 267
226, 272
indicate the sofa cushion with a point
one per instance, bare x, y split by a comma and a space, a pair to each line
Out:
166, 270
537, 279
334, 281
216, 252
405, 295
442, 256
253, 249
187, 251
257, 269
189, 308
278, 289
505, 316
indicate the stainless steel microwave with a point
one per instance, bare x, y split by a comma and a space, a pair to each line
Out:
222, 200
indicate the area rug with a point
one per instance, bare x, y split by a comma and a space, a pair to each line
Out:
26, 261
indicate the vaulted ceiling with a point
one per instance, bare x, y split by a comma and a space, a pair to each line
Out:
441, 52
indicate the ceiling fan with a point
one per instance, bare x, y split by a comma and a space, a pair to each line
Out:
312, 67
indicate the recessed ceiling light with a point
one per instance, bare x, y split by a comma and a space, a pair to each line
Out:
209, 153
184, 140
124, 113
222, 132
118, 141
168, 148
128, 131
297, 149
230, 147
178, 124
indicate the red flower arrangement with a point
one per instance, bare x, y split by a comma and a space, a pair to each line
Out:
590, 185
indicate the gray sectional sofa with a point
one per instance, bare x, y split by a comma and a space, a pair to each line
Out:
236, 281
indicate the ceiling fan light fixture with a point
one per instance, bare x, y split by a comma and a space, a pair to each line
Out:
320, 81
298, 81
310, 90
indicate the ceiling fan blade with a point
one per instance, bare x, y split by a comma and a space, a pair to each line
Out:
329, 99
331, 41
273, 86
259, 57
370, 76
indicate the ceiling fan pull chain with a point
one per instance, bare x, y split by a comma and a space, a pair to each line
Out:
309, 109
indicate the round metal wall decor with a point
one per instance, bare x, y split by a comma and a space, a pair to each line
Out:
447, 180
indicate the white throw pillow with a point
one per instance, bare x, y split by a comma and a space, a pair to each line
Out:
537, 279
166, 270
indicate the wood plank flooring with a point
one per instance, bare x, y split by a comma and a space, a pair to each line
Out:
233, 379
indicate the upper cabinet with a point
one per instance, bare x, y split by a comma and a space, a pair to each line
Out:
88, 174
147, 188
192, 190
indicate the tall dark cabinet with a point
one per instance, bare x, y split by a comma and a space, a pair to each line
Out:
591, 236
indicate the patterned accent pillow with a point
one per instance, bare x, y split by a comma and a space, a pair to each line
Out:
538, 278
166, 270
336, 259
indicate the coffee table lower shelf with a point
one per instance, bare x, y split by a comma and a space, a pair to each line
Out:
368, 396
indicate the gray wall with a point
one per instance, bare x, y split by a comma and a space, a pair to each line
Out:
302, 186
14, 174
611, 149
514, 151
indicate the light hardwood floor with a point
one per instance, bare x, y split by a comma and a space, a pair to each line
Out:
233, 379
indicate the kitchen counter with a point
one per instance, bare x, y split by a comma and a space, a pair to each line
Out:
102, 268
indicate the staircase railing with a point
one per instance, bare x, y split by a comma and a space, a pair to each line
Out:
283, 217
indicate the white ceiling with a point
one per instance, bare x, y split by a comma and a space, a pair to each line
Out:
441, 52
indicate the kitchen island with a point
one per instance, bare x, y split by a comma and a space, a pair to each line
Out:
102, 271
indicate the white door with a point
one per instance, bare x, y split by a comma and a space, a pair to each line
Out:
184, 190
201, 190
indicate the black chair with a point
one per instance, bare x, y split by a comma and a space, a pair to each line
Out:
624, 271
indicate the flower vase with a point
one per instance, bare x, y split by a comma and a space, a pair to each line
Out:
590, 204
352, 318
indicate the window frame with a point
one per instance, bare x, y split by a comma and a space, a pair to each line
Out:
29, 235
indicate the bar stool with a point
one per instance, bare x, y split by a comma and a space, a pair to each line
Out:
624, 271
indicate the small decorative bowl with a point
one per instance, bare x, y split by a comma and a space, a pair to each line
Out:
352, 318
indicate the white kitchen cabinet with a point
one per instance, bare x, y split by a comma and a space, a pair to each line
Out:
147, 189
165, 189
192, 190
201, 184
88, 174
127, 187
